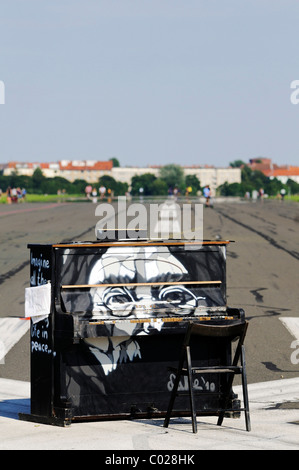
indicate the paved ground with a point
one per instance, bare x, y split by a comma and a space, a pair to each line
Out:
262, 276
32, 223
262, 271
274, 422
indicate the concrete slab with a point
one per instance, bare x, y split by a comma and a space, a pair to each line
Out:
274, 426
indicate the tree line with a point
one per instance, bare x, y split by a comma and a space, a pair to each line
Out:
40, 184
170, 177
254, 180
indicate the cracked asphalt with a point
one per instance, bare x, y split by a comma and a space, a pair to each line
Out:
262, 271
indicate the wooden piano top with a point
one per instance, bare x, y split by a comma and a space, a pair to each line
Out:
128, 242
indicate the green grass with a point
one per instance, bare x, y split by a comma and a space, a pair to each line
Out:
48, 198
79, 197
292, 198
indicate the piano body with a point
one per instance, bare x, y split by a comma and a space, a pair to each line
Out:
119, 311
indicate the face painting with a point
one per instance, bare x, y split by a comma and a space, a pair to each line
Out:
150, 298
144, 265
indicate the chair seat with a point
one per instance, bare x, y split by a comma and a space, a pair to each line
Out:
210, 370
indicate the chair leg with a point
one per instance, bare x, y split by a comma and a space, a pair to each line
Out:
175, 388
173, 393
245, 391
225, 398
191, 395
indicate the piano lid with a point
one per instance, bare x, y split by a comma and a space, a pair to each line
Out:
138, 242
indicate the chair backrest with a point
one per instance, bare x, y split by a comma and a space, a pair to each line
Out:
230, 332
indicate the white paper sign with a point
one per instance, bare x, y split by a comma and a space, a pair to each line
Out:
38, 302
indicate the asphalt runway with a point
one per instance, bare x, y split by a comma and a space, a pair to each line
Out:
262, 272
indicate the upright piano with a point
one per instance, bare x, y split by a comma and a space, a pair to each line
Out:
119, 311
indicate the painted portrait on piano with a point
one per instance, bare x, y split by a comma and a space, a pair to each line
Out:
143, 286
141, 283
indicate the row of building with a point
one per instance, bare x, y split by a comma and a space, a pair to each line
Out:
91, 170
281, 172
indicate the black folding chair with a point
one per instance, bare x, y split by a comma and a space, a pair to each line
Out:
229, 333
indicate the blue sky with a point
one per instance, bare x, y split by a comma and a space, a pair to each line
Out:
149, 81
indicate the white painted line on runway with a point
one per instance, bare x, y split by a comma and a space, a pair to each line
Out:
11, 331
169, 221
292, 325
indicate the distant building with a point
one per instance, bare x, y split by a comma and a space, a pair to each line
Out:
88, 170
207, 175
214, 177
282, 173
91, 171
125, 174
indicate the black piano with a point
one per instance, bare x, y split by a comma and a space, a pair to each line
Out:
119, 310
